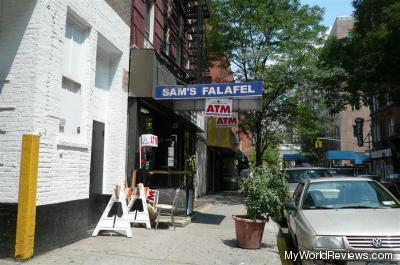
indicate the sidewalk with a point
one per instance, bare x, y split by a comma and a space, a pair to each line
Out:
209, 239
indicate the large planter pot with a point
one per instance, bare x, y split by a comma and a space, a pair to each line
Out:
249, 233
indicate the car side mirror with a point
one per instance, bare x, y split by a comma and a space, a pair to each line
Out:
290, 206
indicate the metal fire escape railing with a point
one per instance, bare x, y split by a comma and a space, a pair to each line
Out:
196, 13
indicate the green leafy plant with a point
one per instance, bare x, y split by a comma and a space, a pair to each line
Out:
265, 189
191, 163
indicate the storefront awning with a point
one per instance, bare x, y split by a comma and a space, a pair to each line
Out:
294, 157
361, 159
340, 155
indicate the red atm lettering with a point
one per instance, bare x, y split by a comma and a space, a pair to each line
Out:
225, 109
210, 108
232, 121
226, 120
219, 108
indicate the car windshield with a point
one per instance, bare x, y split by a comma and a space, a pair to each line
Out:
349, 172
347, 194
299, 175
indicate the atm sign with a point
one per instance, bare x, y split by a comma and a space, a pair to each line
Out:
149, 140
227, 121
218, 108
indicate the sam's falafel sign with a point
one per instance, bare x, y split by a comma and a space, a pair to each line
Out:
222, 90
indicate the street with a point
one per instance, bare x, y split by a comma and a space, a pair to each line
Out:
209, 239
118, 116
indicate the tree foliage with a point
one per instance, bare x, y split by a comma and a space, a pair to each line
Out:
266, 189
367, 62
274, 41
308, 126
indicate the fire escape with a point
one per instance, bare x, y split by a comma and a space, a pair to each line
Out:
196, 13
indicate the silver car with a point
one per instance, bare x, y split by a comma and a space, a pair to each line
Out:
349, 215
299, 174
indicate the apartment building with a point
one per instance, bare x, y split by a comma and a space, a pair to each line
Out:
385, 130
341, 127
167, 48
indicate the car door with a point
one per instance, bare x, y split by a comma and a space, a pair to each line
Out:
293, 214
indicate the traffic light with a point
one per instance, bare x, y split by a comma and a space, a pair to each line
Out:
318, 144
359, 131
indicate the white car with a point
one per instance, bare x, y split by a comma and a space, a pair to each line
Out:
348, 215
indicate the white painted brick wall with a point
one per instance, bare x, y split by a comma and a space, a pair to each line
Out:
34, 69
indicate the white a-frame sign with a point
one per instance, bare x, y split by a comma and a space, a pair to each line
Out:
115, 222
142, 215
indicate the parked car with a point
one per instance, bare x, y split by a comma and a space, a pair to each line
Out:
344, 214
374, 177
392, 183
343, 171
298, 174
295, 176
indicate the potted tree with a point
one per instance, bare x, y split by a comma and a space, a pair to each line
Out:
265, 191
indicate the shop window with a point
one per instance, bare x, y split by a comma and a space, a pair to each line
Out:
149, 24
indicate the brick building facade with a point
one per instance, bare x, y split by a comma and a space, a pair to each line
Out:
167, 48
62, 66
385, 131
341, 125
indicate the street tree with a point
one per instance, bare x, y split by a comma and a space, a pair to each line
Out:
366, 63
275, 41
307, 128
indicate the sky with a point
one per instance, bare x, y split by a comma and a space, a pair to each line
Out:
333, 9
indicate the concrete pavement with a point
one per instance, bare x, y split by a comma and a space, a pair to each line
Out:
209, 239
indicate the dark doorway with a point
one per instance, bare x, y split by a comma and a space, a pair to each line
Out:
97, 159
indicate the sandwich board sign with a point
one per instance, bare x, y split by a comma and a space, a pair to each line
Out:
227, 122
115, 222
218, 107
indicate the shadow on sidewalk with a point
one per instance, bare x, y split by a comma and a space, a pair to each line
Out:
232, 243
221, 198
207, 218
285, 244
